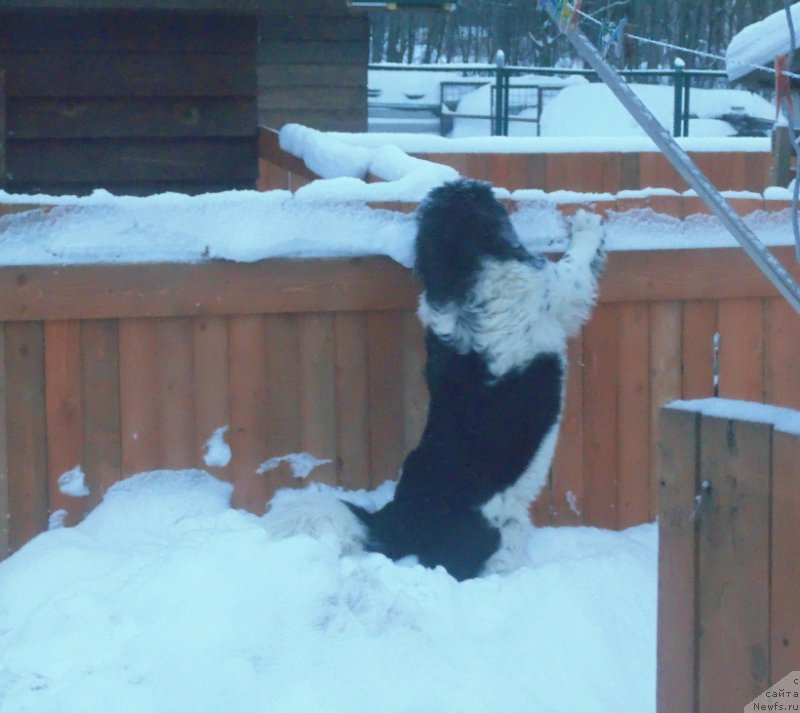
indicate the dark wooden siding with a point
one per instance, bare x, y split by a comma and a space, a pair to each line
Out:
312, 67
132, 101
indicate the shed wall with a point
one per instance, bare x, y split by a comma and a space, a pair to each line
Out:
132, 101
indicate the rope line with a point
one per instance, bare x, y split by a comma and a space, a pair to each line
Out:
699, 53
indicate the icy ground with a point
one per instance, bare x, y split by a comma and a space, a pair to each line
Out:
166, 599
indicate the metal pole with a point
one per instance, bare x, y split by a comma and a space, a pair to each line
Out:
677, 110
500, 63
763, 258
687, 85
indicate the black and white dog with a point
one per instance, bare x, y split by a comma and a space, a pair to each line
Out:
496, 320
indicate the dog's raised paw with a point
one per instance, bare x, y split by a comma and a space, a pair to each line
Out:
584, 221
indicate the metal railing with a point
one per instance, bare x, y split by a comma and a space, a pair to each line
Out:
508, 99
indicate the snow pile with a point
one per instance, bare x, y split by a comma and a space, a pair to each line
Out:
217, 453
760, 43
166, 599
348, 164
565, 114
479, 103
73, 483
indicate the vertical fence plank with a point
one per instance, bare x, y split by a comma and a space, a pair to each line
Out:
518, 172
563, 502
601, 457
283, 420
656, 170
26, 436
415, 391
785, 570
499, 171
678, 463
697, 351
175, 392
386, 447
633, 413
782, 378
211, 388
5, 505
573, 172
102, 413
318, 392
733, 558
535, 170
352, 402
612, 172
248, 408
139, 400
665, 376
64, 409
741, 360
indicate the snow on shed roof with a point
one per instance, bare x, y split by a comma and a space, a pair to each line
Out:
761, 42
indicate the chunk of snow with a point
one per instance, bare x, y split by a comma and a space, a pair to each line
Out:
217, 453
72, 483
56, 519
783, 419
760, 43
301, 464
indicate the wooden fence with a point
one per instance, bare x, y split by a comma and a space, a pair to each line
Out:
729, 523
125, 368
609, 172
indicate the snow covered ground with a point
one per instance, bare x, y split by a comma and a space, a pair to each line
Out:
166, 599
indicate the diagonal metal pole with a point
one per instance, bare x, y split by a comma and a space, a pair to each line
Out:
763, 258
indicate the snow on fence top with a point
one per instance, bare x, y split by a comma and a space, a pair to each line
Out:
331, 217
245, 226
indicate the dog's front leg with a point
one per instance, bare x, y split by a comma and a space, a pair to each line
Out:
575, 275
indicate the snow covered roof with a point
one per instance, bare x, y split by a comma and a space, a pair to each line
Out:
761, 42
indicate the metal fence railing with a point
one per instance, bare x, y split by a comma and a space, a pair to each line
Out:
513, 100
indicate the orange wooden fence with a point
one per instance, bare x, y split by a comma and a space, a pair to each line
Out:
729, 541
124, 368
609, 172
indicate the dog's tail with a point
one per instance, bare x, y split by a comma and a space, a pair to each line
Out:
319, 513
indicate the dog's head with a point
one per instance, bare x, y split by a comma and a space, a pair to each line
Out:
459, 226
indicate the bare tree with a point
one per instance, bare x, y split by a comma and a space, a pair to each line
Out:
478, 28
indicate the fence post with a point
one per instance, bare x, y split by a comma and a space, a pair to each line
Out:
781, 171
729, 527
499, 98
2, 128
677, 116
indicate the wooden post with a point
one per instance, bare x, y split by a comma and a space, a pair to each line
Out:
781, 172
677, 561
729, 570
2, 129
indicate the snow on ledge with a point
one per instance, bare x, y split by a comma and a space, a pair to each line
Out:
782, 419
426, 143
347, 165
245, 226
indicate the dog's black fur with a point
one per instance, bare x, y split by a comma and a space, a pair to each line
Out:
482, 432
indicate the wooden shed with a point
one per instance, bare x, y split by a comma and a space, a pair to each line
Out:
139, 96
